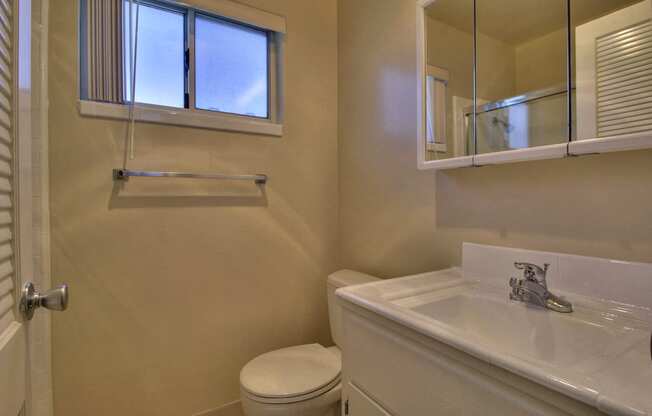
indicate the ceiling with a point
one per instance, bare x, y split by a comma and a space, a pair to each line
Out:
518, 21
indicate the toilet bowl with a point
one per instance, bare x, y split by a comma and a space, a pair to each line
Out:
303, 380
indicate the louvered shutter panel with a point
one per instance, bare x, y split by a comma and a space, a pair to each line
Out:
7, 281
624, 81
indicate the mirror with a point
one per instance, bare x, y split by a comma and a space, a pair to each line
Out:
536, 75
449, 79
521, 74
612, 50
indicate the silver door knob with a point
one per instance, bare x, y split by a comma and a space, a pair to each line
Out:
54, 300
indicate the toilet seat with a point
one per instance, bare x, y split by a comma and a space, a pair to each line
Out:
291, 374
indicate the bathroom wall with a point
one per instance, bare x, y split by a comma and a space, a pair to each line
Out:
541, 62
452, 49
504, 69
395, 220
177, 284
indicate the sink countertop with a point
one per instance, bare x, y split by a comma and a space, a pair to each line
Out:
599, 354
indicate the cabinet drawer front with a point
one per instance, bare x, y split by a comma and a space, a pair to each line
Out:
407, 378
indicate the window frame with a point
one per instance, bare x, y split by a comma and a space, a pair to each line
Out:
169, 7
438, 117
190, 115
193, 61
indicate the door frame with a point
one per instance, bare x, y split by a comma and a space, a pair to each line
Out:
31, 197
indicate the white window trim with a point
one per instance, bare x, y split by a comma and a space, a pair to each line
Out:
181, 117
238, 12
441, 78
206, 119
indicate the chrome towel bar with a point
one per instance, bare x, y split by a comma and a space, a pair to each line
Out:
124, 174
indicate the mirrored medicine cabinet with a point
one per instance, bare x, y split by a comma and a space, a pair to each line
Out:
514, 80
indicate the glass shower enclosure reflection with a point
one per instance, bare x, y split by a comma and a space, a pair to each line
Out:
522, 68
537, 118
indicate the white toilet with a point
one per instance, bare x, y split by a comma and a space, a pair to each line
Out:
303, 380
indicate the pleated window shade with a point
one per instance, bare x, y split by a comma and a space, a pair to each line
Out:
102, 57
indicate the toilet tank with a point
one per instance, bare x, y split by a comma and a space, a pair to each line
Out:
335, 281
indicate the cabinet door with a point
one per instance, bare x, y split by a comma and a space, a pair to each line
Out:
613, 62
359, 404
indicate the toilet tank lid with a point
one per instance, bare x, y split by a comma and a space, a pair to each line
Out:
345, 277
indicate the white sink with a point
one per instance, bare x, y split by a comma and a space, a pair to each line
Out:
599, 354
529, 333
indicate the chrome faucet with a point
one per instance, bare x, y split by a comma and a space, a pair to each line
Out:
533, 288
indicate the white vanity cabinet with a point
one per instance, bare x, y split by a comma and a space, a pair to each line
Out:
389, 369
458, 342
359, 404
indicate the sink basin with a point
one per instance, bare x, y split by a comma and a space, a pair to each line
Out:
529, 332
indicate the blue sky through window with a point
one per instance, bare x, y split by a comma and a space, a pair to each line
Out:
231, 68
160, 72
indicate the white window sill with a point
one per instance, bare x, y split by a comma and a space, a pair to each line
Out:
180, 117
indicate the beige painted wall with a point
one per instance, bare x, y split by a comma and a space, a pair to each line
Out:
395, 220
172, 294
541, 62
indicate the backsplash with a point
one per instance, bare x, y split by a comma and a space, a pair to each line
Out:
612, 280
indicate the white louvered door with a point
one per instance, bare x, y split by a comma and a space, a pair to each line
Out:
614, 73
624, 80
12, 331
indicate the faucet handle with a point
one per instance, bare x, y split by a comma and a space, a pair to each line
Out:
533, 272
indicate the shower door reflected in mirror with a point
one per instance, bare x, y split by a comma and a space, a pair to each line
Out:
612, 47
449, 79
522, 67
